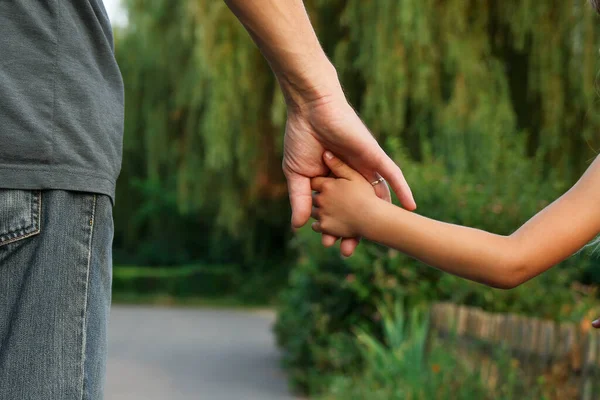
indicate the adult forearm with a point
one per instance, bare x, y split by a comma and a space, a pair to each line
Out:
284, 34
469, 253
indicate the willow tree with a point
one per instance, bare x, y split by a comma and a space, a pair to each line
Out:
462, 81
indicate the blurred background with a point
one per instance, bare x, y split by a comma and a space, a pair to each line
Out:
490, 108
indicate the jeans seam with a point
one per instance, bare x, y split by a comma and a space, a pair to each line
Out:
32, 229
84, 319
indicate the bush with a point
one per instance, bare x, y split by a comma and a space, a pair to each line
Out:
182, 282
259, 285
400, 367
328, 297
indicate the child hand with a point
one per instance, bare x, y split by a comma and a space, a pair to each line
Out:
342, 202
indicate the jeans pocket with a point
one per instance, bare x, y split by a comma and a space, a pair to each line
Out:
19, 214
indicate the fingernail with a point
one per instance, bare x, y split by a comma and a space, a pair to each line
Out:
328, 155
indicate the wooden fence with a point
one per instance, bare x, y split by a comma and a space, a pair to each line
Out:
566, 354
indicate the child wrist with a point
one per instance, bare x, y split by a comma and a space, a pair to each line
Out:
368, 217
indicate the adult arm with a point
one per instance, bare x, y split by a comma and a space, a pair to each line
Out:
319, 115
284, 35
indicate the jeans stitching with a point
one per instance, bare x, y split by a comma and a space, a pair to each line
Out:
30, 230
84, 319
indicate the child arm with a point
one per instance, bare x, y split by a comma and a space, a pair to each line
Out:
347, 206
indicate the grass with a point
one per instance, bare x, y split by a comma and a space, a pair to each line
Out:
199, 285
165, 300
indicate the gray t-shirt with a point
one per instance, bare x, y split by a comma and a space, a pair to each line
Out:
61, 97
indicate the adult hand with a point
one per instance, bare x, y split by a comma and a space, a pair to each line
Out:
330, 123
319, 116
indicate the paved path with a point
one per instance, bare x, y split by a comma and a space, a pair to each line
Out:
185, 354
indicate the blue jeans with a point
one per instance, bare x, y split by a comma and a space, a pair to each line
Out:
55, 280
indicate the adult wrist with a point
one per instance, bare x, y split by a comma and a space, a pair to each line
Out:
310, 82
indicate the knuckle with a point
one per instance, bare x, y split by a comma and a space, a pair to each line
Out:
324, 225
286, 171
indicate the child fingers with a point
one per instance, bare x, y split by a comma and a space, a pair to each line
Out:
315, 213
316, 199
316, 226
318, 183
348, 246
328, 240
339, 168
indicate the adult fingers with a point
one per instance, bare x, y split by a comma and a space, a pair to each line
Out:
382, 190
300, 198
394, 176
363, 153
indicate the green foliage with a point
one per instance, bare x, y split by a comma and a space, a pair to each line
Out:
201, 180
477, 88
197, 281
463, 79
400, 367
487, 106
185, 281
327, 296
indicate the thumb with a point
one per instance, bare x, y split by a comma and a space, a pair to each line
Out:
300, 198
338, 167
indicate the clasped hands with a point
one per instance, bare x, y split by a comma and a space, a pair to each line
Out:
330, 123
342, 202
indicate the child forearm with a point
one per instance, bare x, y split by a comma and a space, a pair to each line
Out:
346, 206
469, 253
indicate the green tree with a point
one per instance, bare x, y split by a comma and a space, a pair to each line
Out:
488, 89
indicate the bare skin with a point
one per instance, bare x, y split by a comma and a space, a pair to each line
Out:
553, 235
319, 115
